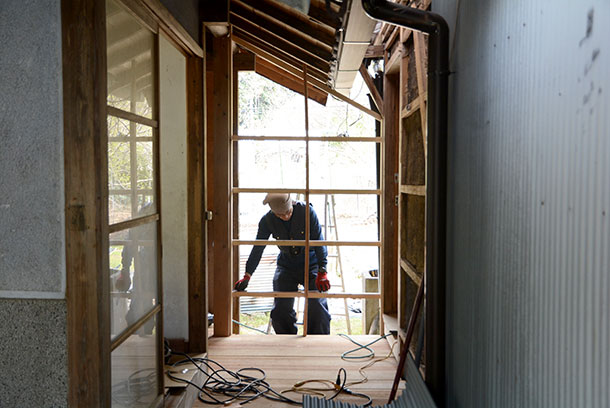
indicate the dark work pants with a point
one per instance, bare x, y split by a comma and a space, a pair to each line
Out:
283, 315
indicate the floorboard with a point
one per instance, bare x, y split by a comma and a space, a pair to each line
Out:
287, 360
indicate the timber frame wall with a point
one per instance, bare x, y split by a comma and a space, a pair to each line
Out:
221, 152
404, 53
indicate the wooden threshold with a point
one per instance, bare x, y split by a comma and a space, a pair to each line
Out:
288, 359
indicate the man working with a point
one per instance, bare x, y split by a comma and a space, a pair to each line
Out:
286, 221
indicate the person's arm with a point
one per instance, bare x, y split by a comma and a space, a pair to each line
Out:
315, 232
257, 251
255, 255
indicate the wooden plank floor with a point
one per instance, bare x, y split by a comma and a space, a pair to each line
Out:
287, 360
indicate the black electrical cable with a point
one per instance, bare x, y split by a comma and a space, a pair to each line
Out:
242, 384
222, 386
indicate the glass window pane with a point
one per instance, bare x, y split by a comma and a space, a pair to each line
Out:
133, 276
272, 164
131, 53
268, 109
346, 217
130, 157
134, 375
343, 165
339, 118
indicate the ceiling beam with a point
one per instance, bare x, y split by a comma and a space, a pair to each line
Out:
323, 86
289, 80
257, 46
317, 10
278, 28
280, 43
298, 21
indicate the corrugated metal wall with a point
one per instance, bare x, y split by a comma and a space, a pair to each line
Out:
529, 209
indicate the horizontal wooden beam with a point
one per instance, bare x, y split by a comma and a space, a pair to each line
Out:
299, 242
119, 113
311, 294
374, 51
133, 223
304, 42
413, 190
238, 190
273, 40
288, 80
309, 138
298, 21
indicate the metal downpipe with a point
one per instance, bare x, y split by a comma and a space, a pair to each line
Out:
436, 178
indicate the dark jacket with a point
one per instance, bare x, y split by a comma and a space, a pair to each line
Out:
290, 256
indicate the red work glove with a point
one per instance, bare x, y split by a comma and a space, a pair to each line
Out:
123, 282
242, 284
322, 282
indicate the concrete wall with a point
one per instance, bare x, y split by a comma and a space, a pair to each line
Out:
529, 204
174, 227
32, 254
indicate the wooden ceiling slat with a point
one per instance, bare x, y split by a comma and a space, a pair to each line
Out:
317, 10
298, 21
305, 42
280, 43
289, 80
244, 39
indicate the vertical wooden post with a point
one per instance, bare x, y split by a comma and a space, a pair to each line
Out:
390, 192
197, 271
219, 228
234, 169
307, 228
86, 190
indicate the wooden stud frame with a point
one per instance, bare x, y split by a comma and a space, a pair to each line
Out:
307, 243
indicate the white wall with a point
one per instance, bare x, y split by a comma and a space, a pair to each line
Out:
173, 168
529, 204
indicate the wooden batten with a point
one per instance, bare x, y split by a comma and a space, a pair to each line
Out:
262, 49
282, 30
274, 41
319, 11
372, 88
292, 18
290, 81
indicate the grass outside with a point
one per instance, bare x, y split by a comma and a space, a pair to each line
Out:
260, 321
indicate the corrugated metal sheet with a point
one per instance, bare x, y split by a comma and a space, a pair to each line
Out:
415, 394
529, 204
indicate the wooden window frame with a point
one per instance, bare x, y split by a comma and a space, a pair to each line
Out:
85, 114
307, 243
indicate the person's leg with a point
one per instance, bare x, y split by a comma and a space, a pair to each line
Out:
283, 316
318, 320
